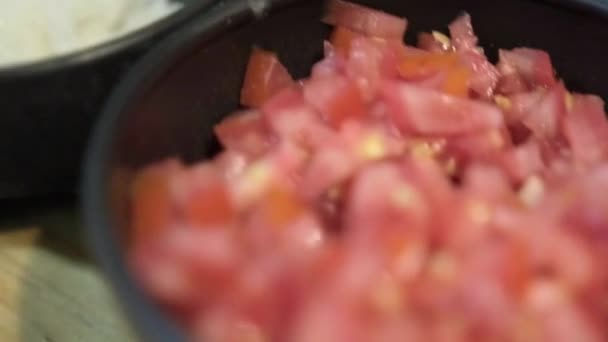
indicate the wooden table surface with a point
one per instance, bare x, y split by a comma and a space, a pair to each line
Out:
50, 291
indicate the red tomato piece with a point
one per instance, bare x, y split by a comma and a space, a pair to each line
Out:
381, 200
522, 161
336, 98
521, 104
463, 36
210, 207
244, 132
290, 117
533, 66
426, 111
420, 65
487, 182
152, 202
369, 62
265, 76
586, 128
510, 80
483, 75
281, 207
342, 40
544, 118
479, 145
365, 20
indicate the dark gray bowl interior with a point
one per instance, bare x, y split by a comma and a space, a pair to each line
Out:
169, 102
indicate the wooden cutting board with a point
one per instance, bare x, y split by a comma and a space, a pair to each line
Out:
50, 291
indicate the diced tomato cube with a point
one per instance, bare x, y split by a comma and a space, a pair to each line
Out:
463, 36
209, 207
368, 63
533, 66
382, 199
544, 118
586, 128
265, 76
517, 106
426, 111
483, 75
522, 161
479, 145
422, 65
336, 98
487, 182
342, 40
281, 206
365, 20
244, 132
152, 201
290, 117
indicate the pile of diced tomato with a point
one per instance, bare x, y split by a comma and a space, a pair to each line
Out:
400, 193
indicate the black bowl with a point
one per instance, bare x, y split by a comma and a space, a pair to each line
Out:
48, 108
170, 100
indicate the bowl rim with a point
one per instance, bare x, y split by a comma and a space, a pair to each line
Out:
94, 199
105, 49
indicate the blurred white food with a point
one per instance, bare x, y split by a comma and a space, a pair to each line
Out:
31, 30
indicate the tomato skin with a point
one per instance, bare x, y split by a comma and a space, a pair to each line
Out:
265, 76
463, 36
586, 129
427, 111
422, 65
152, 201
545, 117
244, 132
209, 207
336, 98
529, 68
342, 40
365, 20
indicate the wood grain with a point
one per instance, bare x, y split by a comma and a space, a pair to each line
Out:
49, 295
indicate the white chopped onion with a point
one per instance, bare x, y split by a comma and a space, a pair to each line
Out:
31, 30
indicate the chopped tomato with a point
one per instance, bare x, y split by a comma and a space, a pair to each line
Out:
457, 82
282, 206
422, 65
342, 39
484, 76
517, 106
336, 98
369, 63
521, 162
265, 76
463, 36
365, 20
291, 118
152, 202
533, 66
243, 132
545, 116
427, 111
210, 206
586, 129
